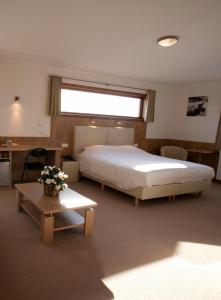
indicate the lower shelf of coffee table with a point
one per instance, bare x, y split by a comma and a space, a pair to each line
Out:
62, 220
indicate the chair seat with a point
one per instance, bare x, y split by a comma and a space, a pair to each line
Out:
34, 165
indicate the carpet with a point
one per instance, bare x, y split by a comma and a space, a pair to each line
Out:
163, 249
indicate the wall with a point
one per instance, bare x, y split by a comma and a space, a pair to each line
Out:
171, 121
28, 123
30, 82
163, 126
27, 118
188, 132
200, 129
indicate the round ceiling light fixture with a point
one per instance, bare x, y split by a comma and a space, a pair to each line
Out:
167, 41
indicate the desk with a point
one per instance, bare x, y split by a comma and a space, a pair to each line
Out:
9, 153
200, 153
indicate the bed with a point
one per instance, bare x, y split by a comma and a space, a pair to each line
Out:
107, 155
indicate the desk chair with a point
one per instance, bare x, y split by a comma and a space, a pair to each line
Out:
174, 152
35, 165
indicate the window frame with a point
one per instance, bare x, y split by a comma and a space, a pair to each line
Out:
98, 90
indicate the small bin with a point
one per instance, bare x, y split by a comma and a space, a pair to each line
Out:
4, 172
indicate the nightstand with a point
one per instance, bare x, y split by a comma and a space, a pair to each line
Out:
71, 168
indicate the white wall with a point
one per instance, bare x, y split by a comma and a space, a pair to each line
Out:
29, 118
170, 113
162, 127
198, 128
30, 82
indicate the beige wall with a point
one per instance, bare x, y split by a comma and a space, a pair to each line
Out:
199, 128
163, 126
171, 121
28, 118
30, 82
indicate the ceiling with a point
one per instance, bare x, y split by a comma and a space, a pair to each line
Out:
117, 37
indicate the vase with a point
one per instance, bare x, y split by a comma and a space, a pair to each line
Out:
50, 191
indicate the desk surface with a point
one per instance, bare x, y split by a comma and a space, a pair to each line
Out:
201, 151
29, 147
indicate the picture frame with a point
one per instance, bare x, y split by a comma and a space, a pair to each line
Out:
197, 106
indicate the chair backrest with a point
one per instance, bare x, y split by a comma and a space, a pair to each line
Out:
38, 152
174, 152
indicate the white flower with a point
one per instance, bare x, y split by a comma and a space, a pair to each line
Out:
60, 175
64, 185
53, 176
48, 181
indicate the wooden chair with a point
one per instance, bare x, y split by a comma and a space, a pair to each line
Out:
174, 152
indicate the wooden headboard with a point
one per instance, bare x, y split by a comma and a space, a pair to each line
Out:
96, 135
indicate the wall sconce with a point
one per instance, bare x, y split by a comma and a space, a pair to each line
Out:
118, 124
92, 123
17, 99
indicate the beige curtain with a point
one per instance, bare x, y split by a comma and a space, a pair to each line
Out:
149, 106
218, 136
55, 96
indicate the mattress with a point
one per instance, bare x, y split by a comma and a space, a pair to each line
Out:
128, 167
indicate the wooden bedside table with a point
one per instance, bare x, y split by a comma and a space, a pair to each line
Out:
71, 168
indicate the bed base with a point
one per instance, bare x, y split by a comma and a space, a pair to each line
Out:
157, 191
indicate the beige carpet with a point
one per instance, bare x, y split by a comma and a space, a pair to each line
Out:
162, 250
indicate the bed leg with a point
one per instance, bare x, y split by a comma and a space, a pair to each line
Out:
172, 197
102, 187
136, 201
169, 197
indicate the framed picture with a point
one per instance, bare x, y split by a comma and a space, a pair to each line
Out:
197, 106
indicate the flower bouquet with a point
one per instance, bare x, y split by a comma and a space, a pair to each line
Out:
53, 179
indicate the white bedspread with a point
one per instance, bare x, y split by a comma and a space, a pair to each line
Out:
128, 167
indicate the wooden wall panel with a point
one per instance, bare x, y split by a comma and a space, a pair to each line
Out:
62, 132
63, 129
153, 146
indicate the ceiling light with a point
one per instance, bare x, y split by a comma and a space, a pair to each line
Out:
167, 41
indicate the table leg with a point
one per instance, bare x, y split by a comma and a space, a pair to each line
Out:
136, 201
47, 226
200, 158
19, 198
89, 218
57, 158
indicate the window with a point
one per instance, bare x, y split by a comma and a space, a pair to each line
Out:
100, 102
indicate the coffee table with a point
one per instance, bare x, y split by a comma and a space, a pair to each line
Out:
55, 213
